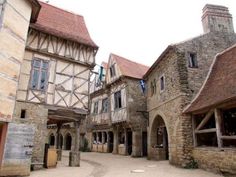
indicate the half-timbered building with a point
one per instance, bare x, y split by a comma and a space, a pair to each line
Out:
54, 78
117, 122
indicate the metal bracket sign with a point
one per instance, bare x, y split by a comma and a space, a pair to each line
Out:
19, 143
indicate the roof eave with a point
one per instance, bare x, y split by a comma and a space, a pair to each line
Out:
35, 10
158, 60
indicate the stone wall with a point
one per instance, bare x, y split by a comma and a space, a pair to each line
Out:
217, 160
136, 101
35, 115
205, 47
181, 85
14, 23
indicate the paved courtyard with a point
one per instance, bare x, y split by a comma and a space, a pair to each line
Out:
108, 165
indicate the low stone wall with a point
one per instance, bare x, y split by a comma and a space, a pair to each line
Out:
157, 154
121, 149
105, 147
100, 148
216, 160
95, 148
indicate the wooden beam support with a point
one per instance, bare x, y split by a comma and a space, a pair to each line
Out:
228, 137
218, 118
194, 135
205, 119
210, 130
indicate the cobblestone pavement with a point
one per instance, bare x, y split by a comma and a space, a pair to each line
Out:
108, 165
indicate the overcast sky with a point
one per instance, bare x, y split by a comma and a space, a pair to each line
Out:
140, 30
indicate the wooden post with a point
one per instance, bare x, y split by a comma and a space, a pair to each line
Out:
218, 119
77, 137
126, 141
194, 135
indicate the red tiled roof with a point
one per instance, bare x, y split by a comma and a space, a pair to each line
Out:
220, 85
61, 23
129, 68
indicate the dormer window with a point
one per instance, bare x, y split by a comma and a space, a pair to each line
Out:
112, 70
192, 60
39, 74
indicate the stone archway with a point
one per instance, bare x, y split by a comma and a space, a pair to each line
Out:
68, 141
158, 140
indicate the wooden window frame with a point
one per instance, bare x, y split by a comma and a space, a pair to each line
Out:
197, 129
162, 83
192, 60
40, 70
117, 100
95, 107
112, 70
105, 105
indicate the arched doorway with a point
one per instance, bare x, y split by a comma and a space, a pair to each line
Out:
51, 139
159, 139
68, 141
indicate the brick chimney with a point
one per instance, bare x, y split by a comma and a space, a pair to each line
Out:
217, 18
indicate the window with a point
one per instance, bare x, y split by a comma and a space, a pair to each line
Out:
95, 108
112, 71
153, 87
162, 83
207, 133
39, 74
105, 105
192, 60
22, 114
117, 98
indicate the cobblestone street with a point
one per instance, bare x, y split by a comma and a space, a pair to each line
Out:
108, 165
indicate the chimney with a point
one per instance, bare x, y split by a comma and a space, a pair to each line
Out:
217, 19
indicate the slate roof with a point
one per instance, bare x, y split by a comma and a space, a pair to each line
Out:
220, 85
64, 24
130, 68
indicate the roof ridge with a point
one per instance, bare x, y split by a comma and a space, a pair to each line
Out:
61, 9
129, 60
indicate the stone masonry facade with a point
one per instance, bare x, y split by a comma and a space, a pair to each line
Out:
181, 84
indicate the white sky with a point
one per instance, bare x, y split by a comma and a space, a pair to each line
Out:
140, 29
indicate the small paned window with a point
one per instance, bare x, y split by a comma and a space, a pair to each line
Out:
105, 105
95, 108
162, 83
112, 71
192, 60
117, 98
39, 74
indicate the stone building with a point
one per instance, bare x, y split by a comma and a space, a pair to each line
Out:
15, 17
54, 79
116, 119
213, 113
173, 81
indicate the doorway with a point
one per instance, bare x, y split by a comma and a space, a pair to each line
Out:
129, 137
144, 143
